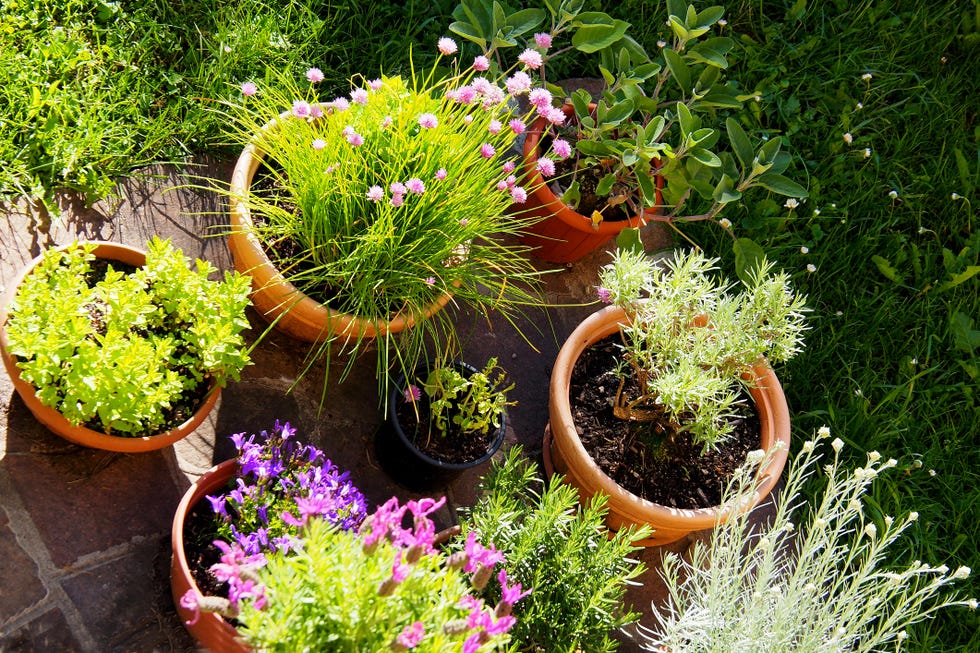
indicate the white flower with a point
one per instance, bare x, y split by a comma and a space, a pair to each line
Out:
823, 432
791, 203
858, 106
954, 196
854, 504
848, 138
972, 604
913, 516
661, 44
725, 223
811, 268
858, 393
755, 456
914, 362
889, 521
837, 444
722, 22
874, 456
893, 194
804, 250
816, 211
961, 573
870, 530
932, 472
866, 76
867, 152
808, 446
819, 522
901, 636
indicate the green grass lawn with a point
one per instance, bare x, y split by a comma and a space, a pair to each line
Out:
878, 101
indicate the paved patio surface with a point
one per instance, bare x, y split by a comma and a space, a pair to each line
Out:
84, 534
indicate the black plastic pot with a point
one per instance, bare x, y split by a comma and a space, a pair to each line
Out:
405, 463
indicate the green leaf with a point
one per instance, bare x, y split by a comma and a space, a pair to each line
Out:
648, 188
629, 158
676, 7
572, 195
709, 56
629, 240
725, 191
709, 16
705, 157
768, 151
749, 257
653, 129
959, 278
965, 337
740, 143
781, 185
605, 184
467, 31
619, 112
592, 37
525, 20
964, 170
685, 119
678, 69
593, 148
887, 269
580, 100
679, 30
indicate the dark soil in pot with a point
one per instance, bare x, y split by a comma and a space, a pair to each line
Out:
649, 459
455, 447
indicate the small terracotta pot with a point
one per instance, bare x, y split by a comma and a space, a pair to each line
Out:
211, 630
54, 420
569, 456
277, 300
558, 234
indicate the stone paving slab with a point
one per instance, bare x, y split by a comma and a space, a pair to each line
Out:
84, 534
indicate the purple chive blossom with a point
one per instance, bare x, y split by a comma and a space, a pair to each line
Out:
605, 295
398, 188
518, 194
511, 181
540, 98
465, 94
375, 84
517, 126
352, 136
441, 174
314, 75
411, 635
428, 121
561, 148
376, 193
447, 46
542, 40
316, 111
546, 166
397, 200
494, 127
340, 104
519, 82
430, 281
463, 222
359, 96
331, 168
482, 85
318, 144
509, 166
487, 151
467, 119
531, 58
387, 122
412, 393
249, 89
481, 63
301, 109
502, 185
415, 186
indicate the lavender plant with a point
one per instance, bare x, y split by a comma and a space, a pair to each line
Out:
815, 578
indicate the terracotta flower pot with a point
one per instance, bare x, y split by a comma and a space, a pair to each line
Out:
210, 629
560, 234
409, 465
570, 457
54, 420
276, 299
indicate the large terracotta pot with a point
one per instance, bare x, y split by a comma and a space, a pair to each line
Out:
569, 456
558, 234
278, 300
211, 630
52, 419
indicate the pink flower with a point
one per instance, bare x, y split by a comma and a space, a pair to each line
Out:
487, 151
330, 168
355, 139
428, 121
605, 296
509, 167
511, 181
467, 119
359, 96
561, 148
189, 602
531, 58
441, 174
542, 40
341, 104
555, 116
314, 75
301, 109
494, 127
318, 144
519, 82
376, 193
430, 281
397, 200
398, 188
472, 643
502, 185
249, 89
415, 185
518, 194
411, 635
481, 63
465, 94
375, 84
447, 46
546, 166
478, 555
316, 111
386, 123
517, 126
463, 222
540, 98
510, 594
412, 393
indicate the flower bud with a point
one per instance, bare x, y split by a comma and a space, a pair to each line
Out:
455, 627
481, 576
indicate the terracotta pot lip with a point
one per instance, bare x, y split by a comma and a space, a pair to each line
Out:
223, 471
606, 321
396, 391
54, 420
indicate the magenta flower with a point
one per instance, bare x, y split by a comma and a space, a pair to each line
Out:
441, 174
481, 63
353, 137
314, 75
301, 109
561, 148
397, 200
531, 58
430, 281
472, 643
517, 126
331, 168
494, 127
397, 188
518, 194
189, 602
605, 296
249, 89
359, 96
511, 181
502, 185
376, 193
411, 635
447, 46
318, 144
415, 186
554, 115
540, 98
542, 40
465, 94
546, 166
509, 166
519, 82
463, 222
412, 393
510, 594
487, 151
478, 555
428, 121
